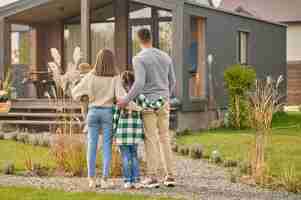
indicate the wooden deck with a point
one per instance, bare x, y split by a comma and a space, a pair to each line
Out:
42, 113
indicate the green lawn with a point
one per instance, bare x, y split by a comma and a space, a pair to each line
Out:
12, 193
284, 148
11, 151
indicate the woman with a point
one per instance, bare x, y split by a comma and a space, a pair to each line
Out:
102, 85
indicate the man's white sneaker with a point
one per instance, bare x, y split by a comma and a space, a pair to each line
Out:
150, 183
169, 182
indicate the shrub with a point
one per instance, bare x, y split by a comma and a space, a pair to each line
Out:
239, 80
196, 152
69, 154
1, 136
289, 179
230, 163
184, 150
216, 157
9, 168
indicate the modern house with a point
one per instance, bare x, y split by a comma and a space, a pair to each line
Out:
287, 13
189, 30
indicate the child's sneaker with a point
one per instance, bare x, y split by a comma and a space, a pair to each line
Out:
127, 186
151, 183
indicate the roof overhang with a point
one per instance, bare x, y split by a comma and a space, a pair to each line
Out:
41, 11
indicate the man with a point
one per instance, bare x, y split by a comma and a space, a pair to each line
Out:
155, 79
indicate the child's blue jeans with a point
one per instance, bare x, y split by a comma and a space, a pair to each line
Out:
130, 163
99, 118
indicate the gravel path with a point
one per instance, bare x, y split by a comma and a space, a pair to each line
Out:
197, 180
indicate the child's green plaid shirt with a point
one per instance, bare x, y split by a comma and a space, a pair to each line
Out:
128, 125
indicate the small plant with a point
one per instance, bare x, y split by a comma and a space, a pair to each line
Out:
216, 157
9, 168
184, 150
230, 163
196, 152
21, 137
245, 167
11, 136
33, 140
1, 136
239, 80
289, 179
234, 175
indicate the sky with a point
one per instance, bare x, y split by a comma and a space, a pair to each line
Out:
4, 2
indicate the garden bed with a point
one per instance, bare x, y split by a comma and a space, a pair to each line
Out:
283, 151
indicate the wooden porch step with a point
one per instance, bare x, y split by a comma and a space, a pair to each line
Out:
37, 122
40, 115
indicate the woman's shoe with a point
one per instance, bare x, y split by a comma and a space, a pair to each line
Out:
127, 186
92, 183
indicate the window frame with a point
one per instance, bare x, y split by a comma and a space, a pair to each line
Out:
239, 47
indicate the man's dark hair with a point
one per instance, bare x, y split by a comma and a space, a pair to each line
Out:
144, 35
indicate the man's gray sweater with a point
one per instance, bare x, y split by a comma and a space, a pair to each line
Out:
154, 75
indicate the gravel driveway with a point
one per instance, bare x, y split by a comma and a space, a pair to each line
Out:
197, 180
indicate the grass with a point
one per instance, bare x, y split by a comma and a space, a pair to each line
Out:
13, 193
284, 146
17, 153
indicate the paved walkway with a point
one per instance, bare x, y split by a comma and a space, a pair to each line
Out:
197, 180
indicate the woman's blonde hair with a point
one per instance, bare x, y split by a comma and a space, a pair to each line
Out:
105, 64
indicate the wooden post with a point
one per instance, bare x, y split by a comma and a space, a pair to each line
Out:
85, 31
155, 27
5, 47
178, 52
121, 33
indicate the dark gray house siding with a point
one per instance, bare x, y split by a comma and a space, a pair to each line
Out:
266, 46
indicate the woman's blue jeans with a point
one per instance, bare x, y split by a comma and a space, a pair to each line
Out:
99, 118
130, 163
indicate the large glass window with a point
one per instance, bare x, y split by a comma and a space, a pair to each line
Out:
197, 58
156, 20
20, 45
102, 36
165, 35
72, 36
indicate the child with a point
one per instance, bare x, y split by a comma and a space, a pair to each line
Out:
128, 133
84, 69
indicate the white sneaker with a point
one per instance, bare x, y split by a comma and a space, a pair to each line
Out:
92, 183
137, 186
150, 183
127, 186
169, 182
106, 184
